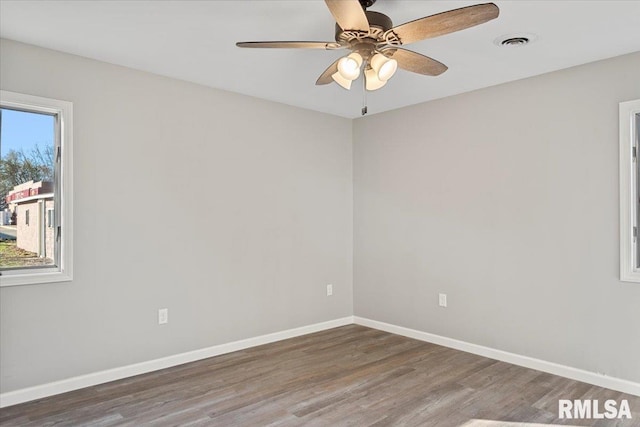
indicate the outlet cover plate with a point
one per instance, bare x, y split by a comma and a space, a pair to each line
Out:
163, 316
442, 300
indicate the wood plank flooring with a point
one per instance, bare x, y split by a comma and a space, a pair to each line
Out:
347, 376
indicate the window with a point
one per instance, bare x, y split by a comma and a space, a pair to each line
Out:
629, 191
35, 189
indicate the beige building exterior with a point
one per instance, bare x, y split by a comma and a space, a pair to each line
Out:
35, 227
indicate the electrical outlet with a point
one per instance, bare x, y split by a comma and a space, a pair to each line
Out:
329, 290
163, 316
442, 300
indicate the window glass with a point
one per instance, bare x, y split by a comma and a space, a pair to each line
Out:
27, 189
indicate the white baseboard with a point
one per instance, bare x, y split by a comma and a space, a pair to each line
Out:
75, 383
612, 383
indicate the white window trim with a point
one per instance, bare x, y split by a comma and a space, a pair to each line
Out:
628, 191
64, 110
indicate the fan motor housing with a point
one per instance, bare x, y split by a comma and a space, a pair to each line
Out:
366, 3
378, 23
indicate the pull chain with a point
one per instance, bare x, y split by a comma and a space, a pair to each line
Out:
364, 92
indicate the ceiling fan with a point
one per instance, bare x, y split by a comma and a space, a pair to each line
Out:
375, 44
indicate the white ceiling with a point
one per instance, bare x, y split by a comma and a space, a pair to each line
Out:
195, 41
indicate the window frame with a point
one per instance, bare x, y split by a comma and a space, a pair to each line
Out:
629, 191
63, 189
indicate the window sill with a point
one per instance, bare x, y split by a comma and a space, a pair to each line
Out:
18, 278
630, 276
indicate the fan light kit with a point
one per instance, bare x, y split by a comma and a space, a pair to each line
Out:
381, 69
376, 45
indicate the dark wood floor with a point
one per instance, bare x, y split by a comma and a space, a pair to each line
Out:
345, 376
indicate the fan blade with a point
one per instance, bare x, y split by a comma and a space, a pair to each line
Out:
325, 78
446, 22
348, 14
292, 45
416, 62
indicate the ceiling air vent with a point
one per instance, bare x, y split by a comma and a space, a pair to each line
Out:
515, 40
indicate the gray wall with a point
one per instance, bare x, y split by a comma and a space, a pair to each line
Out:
506, 199
231, 211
